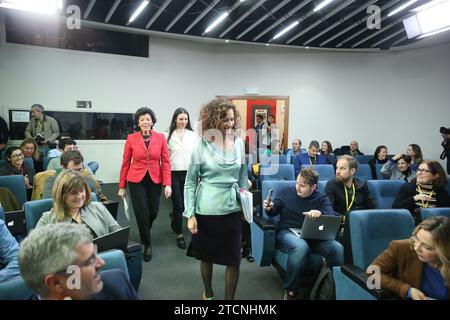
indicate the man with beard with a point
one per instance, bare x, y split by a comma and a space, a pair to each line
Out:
59, 262
346, 192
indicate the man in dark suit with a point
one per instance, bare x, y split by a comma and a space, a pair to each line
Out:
59, 262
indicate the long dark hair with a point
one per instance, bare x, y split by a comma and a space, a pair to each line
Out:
173, 123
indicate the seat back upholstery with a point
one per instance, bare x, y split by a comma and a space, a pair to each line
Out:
93, 165
384, 191
364, 172
378, 167
46, 160
426, 213
364, 159
16, 185
34, 210
114, 259
2, 214
29, 164
371, 231
14, 289
277, 186
40, 179
321, 185
325, 171
277, 172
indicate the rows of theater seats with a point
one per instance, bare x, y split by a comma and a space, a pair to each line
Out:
370, 231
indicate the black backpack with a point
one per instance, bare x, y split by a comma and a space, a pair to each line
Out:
323, 288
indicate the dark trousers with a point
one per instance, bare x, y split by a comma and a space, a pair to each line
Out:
178, 178
145, 197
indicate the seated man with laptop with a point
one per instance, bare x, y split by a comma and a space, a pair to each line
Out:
302, 207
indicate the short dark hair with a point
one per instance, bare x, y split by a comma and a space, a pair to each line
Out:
310, 175
71, 155
444, 130
315, 144
10, 150
404, 157
66, 142
260, 116
142, 111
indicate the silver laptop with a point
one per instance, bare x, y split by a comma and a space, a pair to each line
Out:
322, 228
114, 240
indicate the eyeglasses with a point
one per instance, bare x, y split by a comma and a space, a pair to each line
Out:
90, 262
423, 171
79, 169
19, 155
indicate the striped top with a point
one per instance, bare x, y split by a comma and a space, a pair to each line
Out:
428, 190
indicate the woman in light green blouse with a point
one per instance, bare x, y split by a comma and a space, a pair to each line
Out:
216, 172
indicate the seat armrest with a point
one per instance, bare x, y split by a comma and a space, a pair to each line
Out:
133, 247
360, 276
263, 223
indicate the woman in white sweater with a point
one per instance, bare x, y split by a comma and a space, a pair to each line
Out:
180, 140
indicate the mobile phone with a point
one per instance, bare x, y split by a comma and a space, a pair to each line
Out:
269, 196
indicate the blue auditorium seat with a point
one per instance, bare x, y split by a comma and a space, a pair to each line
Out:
276, 172
364, 172
384, 191
371, 231
325, 171
16, 185
425, 213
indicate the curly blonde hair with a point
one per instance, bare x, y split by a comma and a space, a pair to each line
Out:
214, 113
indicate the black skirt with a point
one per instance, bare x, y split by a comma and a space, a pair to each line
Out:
218, 239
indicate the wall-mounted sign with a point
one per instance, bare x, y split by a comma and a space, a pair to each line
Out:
84, 104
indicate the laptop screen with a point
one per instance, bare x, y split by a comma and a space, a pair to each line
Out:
114, 240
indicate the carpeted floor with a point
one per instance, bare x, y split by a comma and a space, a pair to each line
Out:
171, 275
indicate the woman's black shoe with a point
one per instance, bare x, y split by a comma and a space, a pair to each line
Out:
181, 244
147, 253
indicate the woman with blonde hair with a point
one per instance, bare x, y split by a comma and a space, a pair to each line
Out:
72, 202
216, 171
419, 268
30, 149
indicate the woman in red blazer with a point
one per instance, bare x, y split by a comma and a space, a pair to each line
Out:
145, 168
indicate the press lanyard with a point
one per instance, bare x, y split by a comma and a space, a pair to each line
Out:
346, 196
315, 160
424, 205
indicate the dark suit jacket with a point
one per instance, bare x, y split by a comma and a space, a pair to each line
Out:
404, 199
138, 160
400, 268
116, 286
303, 159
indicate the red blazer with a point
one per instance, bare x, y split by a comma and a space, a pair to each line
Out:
137, 160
